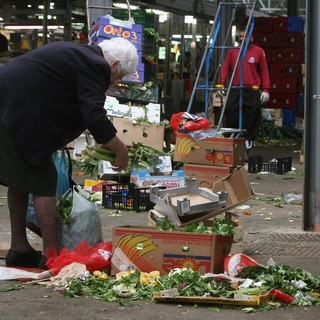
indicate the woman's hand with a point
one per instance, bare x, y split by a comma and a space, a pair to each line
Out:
121, 153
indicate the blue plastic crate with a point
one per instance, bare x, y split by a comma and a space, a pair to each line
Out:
300, 101
295, 24
288, 117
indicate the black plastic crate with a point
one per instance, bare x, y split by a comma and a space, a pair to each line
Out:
278, 166
126, 196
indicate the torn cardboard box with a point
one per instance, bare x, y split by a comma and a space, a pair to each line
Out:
238, 188
144, 132
187, 200
204, 174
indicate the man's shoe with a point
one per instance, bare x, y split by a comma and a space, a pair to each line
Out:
24, 260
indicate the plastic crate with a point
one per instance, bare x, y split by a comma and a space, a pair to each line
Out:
288, 117
295, 24
280, 166
126, 196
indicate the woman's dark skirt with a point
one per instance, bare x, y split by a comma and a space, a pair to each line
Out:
17, 173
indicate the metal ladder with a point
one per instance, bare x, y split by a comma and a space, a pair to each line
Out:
210, 86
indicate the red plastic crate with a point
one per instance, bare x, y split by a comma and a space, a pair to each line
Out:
263, 24
280, 24
279, 55
279, 40
289, 101
292, 70
295, 55
289, 85
275, 101
264, 40
275, 85
295, 39
276, 70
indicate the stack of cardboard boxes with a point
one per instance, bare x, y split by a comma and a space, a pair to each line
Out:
208, 160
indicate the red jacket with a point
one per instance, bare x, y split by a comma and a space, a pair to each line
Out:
255, 68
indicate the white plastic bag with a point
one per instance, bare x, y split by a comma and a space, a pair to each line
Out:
84, 222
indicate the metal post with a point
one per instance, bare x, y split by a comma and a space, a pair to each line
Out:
292, 9
67, 21
46, 5
95, 13
168, 53
312, 120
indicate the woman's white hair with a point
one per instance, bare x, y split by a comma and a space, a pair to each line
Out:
122, 50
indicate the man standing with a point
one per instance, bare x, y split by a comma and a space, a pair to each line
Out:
255, 82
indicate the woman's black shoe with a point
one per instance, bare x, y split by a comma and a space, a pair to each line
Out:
24, 260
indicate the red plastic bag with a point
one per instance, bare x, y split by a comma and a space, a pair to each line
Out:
187, 122
281, 296
235, 263
95, 258
176, 120
200, 124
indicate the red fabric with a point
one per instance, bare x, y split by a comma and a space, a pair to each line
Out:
84, 253
175, 120
255, 68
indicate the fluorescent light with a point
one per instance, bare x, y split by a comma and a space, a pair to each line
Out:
124, 6
33, 27
188, 19
186, 36
157, 12
163, 17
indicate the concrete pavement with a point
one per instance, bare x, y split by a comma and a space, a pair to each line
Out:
272, 230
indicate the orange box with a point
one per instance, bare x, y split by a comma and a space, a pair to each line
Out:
206, 175
211, 151
147, 249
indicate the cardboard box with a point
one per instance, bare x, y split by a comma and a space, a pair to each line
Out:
238, 188
211, 151
94, 185
235, 220
186, 201
205, 175
147, 249
103, 29
107, 28
105, 171
143, 179
151, 111
238, 300
147, 133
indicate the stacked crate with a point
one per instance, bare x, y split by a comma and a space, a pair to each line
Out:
149, 44
282, 38
210, 159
